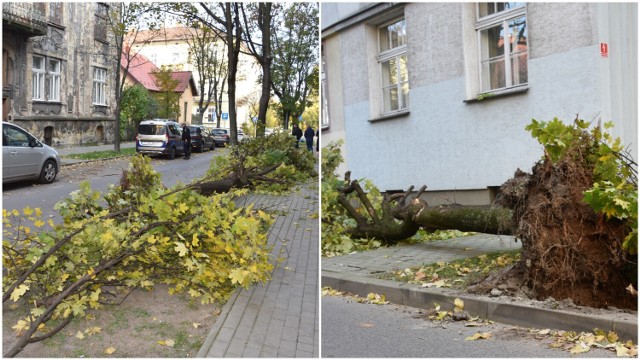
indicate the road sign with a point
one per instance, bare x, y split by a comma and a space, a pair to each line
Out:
225, 116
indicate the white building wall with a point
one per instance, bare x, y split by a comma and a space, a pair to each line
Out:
450, 144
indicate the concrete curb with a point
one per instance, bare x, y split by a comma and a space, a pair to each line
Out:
626, 326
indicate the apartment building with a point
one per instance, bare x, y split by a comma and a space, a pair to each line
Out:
58, 70
440, 93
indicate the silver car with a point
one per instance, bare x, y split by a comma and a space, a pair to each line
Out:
25, 158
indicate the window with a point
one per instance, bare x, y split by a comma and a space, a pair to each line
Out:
99, 86
38, 78
392, 57
325, 93
503, 45
100, 25
54, 80
55, 12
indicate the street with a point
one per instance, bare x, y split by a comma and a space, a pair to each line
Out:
100, 175
351, 329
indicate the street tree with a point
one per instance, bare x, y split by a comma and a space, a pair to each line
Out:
135, 106
207, 55
294, 75
167, 97
123, 21
575, 213
258, 25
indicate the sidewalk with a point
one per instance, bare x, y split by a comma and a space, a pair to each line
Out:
280, 318
359, 274
85, 149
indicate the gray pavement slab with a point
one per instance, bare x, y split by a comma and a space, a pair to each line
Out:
281, 317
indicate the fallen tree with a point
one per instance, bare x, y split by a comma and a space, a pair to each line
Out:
576, 215
191, 237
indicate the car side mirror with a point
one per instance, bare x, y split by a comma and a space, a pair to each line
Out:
33, 142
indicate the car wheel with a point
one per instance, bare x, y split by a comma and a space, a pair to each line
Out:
172, 153
213, 146
49, 171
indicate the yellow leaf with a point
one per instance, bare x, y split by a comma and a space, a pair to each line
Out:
93, 330
180, 249
183, 208
80, 335
110, 350
579, 348
612, 337
459, 304
167, 342
38, 223
28, 211
106, 236
195, 242
38, 212
196, 325
19, 291
479, 336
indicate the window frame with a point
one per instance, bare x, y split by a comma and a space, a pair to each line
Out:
38, 76
101, 14
387, 55
99, 95
55, 78
324, 83
501, 18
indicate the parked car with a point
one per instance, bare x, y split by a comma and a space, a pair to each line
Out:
221, 136
25, 158
159, 137
201, 138
240, 135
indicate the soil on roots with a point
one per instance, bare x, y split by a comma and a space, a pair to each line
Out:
568, 251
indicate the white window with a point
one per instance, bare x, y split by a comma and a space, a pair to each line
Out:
325, 93
99, 86
392, 57
503, 45
38, 78
54, 80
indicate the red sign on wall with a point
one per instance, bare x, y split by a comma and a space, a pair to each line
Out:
604, 50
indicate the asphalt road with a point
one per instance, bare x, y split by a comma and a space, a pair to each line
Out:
100, 175
351, 329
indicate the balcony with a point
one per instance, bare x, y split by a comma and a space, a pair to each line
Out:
26, 17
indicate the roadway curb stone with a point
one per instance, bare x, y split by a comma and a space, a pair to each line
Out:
626, 326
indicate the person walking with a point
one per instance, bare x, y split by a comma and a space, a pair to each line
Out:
308, 135
297, 132
186, 141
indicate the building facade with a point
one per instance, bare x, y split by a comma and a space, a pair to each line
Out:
58, 71
142, 71
440, 93
170, 47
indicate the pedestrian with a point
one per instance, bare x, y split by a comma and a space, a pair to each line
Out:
186, 141
308, 135
297, 132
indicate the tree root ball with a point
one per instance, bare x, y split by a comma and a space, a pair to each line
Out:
568, 251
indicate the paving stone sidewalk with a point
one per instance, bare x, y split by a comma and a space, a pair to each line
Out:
280, 318
371, 264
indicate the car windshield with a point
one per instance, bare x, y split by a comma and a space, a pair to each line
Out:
219, 131
151, 129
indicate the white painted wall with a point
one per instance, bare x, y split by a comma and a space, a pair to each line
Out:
448, 144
